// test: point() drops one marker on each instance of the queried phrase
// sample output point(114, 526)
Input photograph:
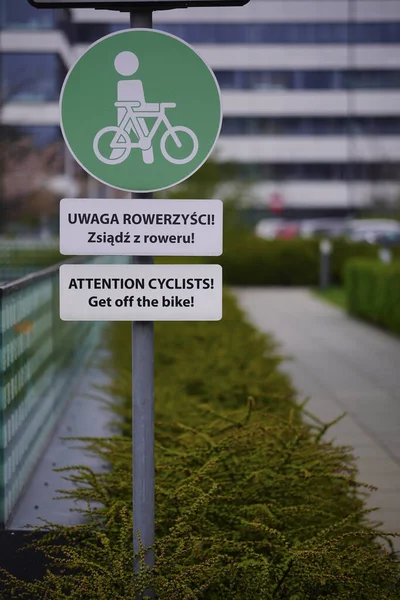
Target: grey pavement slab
point(343, 366)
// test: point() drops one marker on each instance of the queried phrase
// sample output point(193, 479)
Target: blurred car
point(327, 227)
point(267, 228)
point(389, 239)
point(371, 230)
point(274, 229)
point(287, 231)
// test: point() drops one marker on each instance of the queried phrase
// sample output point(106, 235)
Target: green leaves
point(251, 502)
point(373, 292)
point(249, 260)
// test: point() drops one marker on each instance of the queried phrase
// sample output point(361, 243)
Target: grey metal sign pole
point(143, 401)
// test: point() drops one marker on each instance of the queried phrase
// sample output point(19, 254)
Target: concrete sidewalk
point(85, 416)
point(344, 366)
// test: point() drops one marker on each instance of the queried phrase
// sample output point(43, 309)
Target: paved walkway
point(343, 365)
point(84, 417)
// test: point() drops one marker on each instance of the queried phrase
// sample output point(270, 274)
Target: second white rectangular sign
point(92, 226)
point(141, 292)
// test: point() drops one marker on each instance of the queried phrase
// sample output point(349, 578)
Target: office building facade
point(310, 89)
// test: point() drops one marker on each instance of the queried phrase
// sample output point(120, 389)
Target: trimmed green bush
point(373, 292)
point(251, 503)
point(246, 260)
point(37, 257)
point(16, 263)
point(251, 261)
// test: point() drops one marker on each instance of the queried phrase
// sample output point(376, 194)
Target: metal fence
point(40, 359)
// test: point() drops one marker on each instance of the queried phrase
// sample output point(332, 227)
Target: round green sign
point(140, 110)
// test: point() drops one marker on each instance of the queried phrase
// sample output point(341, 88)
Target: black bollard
point(325, 249)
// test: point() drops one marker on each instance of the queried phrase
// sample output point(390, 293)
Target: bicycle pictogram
point(133, 117)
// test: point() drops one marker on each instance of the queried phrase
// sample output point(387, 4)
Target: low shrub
point(251, 503)
point(251, 261)
point(16, 263)
point(248, 260)
point(373, 292)
point(30, 259)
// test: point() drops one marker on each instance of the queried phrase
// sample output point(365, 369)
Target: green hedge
point(373, 292)
point(251, 261)
point(18, 262)
point(34, 257)
point(246, 260)
point(251, 504)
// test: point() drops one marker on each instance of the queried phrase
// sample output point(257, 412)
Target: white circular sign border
point(158, 31)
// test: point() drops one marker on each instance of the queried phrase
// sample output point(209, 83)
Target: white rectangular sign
point(141, 227)
point(141, 292)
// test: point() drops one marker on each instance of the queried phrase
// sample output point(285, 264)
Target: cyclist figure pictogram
point(133, 113)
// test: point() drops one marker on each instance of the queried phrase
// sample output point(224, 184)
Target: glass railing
point(41, 358)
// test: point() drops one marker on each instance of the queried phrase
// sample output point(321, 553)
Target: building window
point(19, 14)
point(376, 33)
point(41, 136)
point(370, 79)
point(31, 77)
point(314, 126)
point(88, 33)
point(285, 33)
point(316, 80)
point(250, 33)
point(362, 79)
point(319, 172)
